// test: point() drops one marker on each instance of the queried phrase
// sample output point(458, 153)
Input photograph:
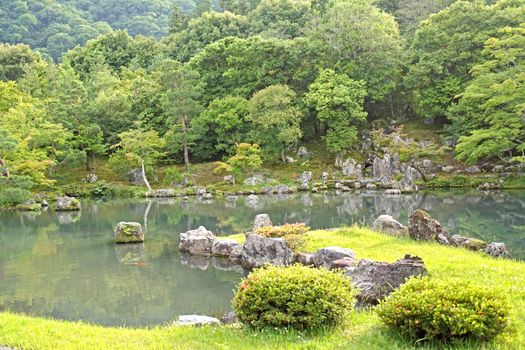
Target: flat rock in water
point(128, 232)
point(197, 320)
point(67, 204)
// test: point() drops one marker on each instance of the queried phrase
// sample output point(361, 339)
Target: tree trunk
point(144, 176)
point(185, 143)
point(87, 163)
point(5, 171)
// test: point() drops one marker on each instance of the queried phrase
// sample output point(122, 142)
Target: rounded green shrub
point(445, 309)
point(296, 297)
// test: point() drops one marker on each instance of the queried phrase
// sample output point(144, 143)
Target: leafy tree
point(14, 59)
point(181, 102)
point(490, 115)
point(247, 158)
point(281, 18)
point(241, 7)
point(338, 101)
point(276, 119)
point(201, 7)
point(358, 39)
point(178, 20)
point(141, 147)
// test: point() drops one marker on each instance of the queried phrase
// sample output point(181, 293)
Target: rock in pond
point(223, 247)
point(236, 253)
point(261, 220)
point(129, 232)
point(423, 227)
point(388, 225)
point(67, 204)
point(376, 280)
point(197, 320)
point(259, 251)
point(199, 241)
point(497, 249)
point(324, 256)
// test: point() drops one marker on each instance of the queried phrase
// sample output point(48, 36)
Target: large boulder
point(469, 243)
point(381, 167)
point(254, 180)
point(199, 241)
point(305, 178)
point(261, 220)
point(497, 249)
point(376, 280)
point(409, 181)
point(387, 224)
point(197, 320)
point(423, 227)
point(135, 177)
point(324, 256)
point(352, 168)
point(259, 251)
point(128, 232)
point(67, 204)
point(223, 247)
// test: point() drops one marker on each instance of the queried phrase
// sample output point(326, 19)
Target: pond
point(64, 265)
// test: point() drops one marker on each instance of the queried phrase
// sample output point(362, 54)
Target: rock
point(236, 253)
point(352, 168)
point(472, 244)
point(498, 169)
point(283, 189)
point(497, 249)
point(128, 232)
point(252, 198)
point(289, 159)
point(306, 176)
point(487, 186)
point(302, 152)
point(197, 241)
point(197, 320)
point(167, 192)
point(376, 280)
point(381, 167)
point(67, 203)
point(201, 191)
point(185, 198)
point(422, 226)
point(223, 247)
point(229, 318)
point(135, 177)
point(44, 203)
point(261, 220)
point(259, 251)
point(357, 185)
point(324, 256)
point(324, 176)
point(254, 180)
point(344, 263)
point(370, 186)
point(207, 196)
point(393, 191)
point(473, 169)
point(91, 178)
point(229, 179)
point(410, 176)
point(447, 169)
point(231, 198)
point(387, 224)
point(306, 259)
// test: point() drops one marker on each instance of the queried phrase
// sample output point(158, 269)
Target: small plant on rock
point(445, 309)
point(292, 233)
point(296, 297)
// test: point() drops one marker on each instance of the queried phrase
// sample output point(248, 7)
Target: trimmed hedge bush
point(292, 234)
point(445, 309)
point(296, 296)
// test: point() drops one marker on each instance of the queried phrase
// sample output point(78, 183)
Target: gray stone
point(325, 176)
point(44, 203)
point(387, 224)
point(497, 249)
point(236, 253)
point(252, 198)
point(197, 320)
point(468, 243)
point(306, 259)
point(352, 168)
point(197, 241)
point(302, 152)
point(254, 180)
point(259, 251)
point(370, 186)
point(474, 169)
point(223, 247)
point(381, 167)
point(167, 192)
point(498, 169)
point(67, 204)
point(343, 264)
point(324, 256)
point(201, 191)
point(306, 176)
point(283, 189)
point(231, 198)
point(447, 168)
point(207, 196)
point(128, 232)
point(261, 220)
point(228, 318)
point(289, 159)
point(376, 280)
point(409, 181)
point(422, 226)
point(135, 177)
point(229, 179)
point(90, 178)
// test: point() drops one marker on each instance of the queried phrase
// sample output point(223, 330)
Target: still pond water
point(65, 265)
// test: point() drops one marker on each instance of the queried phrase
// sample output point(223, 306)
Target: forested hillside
point(271, 74)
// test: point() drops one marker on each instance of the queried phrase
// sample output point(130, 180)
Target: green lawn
point(362, 330)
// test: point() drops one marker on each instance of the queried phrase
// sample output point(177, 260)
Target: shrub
point(296, 297)
point(445, 309)
point(292, 233)
point(15, 190)
point(173, 175)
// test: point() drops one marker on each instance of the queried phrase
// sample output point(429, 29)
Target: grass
point(363, 330)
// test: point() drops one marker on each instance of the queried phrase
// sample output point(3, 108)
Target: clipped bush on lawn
point(296, 297)
point(445, 309)
point(292, 233)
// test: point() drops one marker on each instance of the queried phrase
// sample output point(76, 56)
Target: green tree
point(339, 103)
point(247, 158)
point(276, 119)
point(14, 59)
point(178, 20)
point(281, 18)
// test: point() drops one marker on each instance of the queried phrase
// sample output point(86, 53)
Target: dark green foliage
point(15, 190)
point(297, 297)
point(445, 309)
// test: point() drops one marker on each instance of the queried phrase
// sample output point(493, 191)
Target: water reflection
point(67, 266)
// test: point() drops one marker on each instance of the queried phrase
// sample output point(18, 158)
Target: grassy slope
point(362, 331)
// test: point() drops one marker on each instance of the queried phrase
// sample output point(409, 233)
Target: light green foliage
point(292, 233)
point(358, 39)
point(296, 297)
point(276, 119)
point(339, 103)
point(445, 308)
point(141, 146)
point(490, 113)
point(204, 30)
point(281, 18)
point(241, 7)
point(14, 190)
point(247, 157)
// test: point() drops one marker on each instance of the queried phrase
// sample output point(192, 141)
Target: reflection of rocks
point(132, 253)
point(201, 262)
point(225, 264)
point(68, 217)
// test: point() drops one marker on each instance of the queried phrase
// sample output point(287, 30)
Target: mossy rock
point(67, 204)
point(474, 244)
point(129, 232)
